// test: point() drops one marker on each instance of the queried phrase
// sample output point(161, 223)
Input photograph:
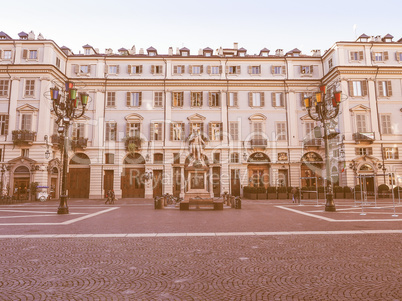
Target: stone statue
point(197, 145)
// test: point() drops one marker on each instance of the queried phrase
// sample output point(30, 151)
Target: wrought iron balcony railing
point(79, 142)
point(259, 143)
point(23, 137)
point(364, 137)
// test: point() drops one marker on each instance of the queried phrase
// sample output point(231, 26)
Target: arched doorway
point(132, 178)
point(366, 178)
point(21, 183)
point(79, 176)
point(258, 170)
point(311, 168)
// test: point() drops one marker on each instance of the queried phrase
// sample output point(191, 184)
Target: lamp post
point(324, 107)
point(67, 107)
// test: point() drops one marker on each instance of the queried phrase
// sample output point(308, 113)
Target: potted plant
point(250, 192)
point(383, 191)
point(32, 188)
point(347, 192)
point(358, 194)
point(338, 192)
point(261, 193)
point(282, 193)
point(271, 191)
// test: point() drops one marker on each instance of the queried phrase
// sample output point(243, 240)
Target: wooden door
point(53, 187)
point(78, 184)
point(21, 186)
point(235, 182)
point(216, 181)
point(108, 179)
point(157, 183)
point(133, 183)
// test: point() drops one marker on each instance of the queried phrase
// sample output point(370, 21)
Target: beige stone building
point(249, 109)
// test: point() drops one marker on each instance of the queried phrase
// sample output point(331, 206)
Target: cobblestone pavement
point(326, 260)
point(335, 267)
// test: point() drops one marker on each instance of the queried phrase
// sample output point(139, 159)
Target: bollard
point(232, 201)
point(238, 203)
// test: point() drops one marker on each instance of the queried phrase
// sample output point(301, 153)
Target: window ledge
point(136, 74)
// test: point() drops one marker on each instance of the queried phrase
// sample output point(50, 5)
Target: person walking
point(295, 195)
point(108, 194)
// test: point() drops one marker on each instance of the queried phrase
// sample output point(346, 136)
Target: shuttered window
point(306, 70)
point(384, 88)
point(398, 56)
point(113, 69)
point(233, 69)
point(196, 99)
point(277, 99)
point(380, 56)
point(158, 99)
point(254, 69)
point(199, 69)
point(111, 99)
point(214, 69)
point(256, 99)
point(134, 99)
point(215, 131)
point(177, 131)
point(356, 55)
point(177, 99)
point(391, 153)
point(156, 69)
point(386, 124)
point(232, 99)
point(234, 130)
point(4, 84)
point(111, 131)
point(178, 69)
point(357, 88)
point(278, 70)
point(281, 131)
point(134, 69)
point(214, 99)
point(195, 126)
point(156, 131)
point(3, 124)
point(361, 126)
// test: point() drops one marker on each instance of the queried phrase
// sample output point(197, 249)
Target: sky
point(197, 24)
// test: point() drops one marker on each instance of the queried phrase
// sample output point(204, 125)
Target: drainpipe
point(164, 129)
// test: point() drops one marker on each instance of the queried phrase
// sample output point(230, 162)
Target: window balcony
point(79, 143)
point(313, 143)
point(258, 143)
point(364, 137)
point(23, 137)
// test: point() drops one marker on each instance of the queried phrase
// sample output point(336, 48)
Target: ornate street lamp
point(67, 107)
point(324, 107)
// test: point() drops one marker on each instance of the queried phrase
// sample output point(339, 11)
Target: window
point(87, 51)
point(134, 99)
point(111, 99)
point(232, 99)
point(158, 99)
point(195, 126)
point(214, 99)
point(215, 131)
point(386, 125)
point(306, 70)
point(391, 153)
point(357, 88)
point(134, 129)
point(58, 62)
point(111, 131)
point(217, 158)
point(380, 56)
point(233, 69)
point(25, 152)
point(356, 55)
point(330, 64)
point(33, 54)
point(234, 130)
point(361, 151)
point(109, 158)
point(134, 69)
point(196, 69)
point(158, 158)
point(156, 131)
point(84, 69)
point(177, 99)
point(309, 126)
point(30, 88)
point(113, 69)
point(4, 124)
point(399, 56)
point(156, 69)
point(281, 131)
point(176, 158)
point(384, 88)
point(7, 55)
point(78, 130)
point(214, 69)
point(256, 99)
point(234, 158)
point(26, 122)
point(277, 99)
point(4, 84)
point(361, 123)
point(254, 69)
point(177, 131)
point(278, 70)
point(178, 69)
point(257, 130)
point(196, 99)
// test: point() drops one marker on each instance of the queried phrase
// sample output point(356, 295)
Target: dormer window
point(23, 35)
point(363, 38)
point(184, 51)
point(264, 52)
point(295, 52)
point(207, 51)
point(241, 52)
point(87, 51)
point(388, 38)
point(123, 51)
point(152, 51)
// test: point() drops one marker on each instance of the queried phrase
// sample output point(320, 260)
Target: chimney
point(316, 52)
point(236, 45)
point(279, 52)
point(177, 51)
point(141, 50)
point(200, 52)
point(170, 51)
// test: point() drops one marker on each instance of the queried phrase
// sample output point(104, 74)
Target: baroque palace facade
point(144, 107)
